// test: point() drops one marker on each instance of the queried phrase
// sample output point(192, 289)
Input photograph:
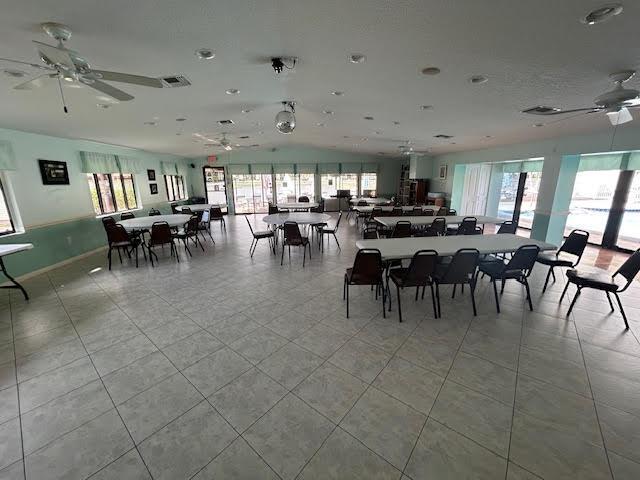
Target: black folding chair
point(460, 270)
point(367, 270)
point(601, 280)
point(417, 274)
point(437, 228)
point(573, 247)
point(292, 236)
point(259, 235)
point(402, 229)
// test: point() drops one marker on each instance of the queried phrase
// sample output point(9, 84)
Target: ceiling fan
point(615, 103)
point(61, 63)
point(212, 141)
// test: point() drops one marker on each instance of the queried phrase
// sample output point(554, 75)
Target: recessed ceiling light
point(426, 107)
point(378, 132)
point(337, 93)
point(178, 134)
point(180, 119)
point(395, 122)
point(319, 124)
point(602, 14)
point(364, 139)
point(151, 124)
point(430, 71)
point(10, 72)
point(232, 91)
point(346, 136)
point(368, 117)
point(538, 125)
point(476, 79)
point(246, 110)
point(357, 58)
point(488, 136)
point(328, 112)
point(102, 105)
point(205, 54)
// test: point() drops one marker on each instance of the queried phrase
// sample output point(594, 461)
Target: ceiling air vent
point(225, 122)
point(442, 135)
point(541, 110)
point(175, 81)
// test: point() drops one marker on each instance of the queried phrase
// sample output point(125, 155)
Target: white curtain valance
point(306, 168)
point(261, 168)
point(130, 165)
point(284, 168)
point(328, 168)
point(7, 158)
point(609, 161)
point(370, 168)
point(93, 162)
point(238, 169)
point(350, 167)
point(168, 168)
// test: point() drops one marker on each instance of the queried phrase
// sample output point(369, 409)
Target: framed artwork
point(153, 187)
point(54, 172)
point(151, 175)
point(443, 172)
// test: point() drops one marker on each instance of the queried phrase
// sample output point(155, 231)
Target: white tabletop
point(303, 218)
point(298, 205)
point(10, 248)
point(398, 248)
point(405, 208)
point(371, 201)
point(200, 207)
point(145, 223)
point(425, 220)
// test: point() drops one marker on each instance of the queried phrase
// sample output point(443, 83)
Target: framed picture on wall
point(151, 175)
point(443, 172)
point(54, 172)
point(153, 187)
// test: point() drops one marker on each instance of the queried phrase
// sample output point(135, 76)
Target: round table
point(200, 207)
point(145, 223)
point(298, 205)
point(301, 218)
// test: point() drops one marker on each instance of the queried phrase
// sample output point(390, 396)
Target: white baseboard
point(42, 270)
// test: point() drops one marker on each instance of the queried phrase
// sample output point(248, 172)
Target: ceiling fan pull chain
point(64, 103)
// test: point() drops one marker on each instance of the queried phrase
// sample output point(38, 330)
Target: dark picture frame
point(53, 172)
point(151, 175)
point(153, 188)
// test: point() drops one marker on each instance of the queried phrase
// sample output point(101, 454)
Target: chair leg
point(546, 281)
point(186, 247)
point(566, 287)
point(495, 294)
point(119, 254)
point(553, 275)
point(423, 287)
point(417, 291)
point(282, 256)
point(433, 301)
point(136, 252)
point(109, 257)
point(453, 294)
point(344, 288)
point(304, 254)
point(384, 302)
point(337, 242)
point(438, 300)
point(502, 286)
point(624, 315)
point(309, 250)
point(151, 256)
point(610, 302)
point(199, 242)
point(472, 287)
point(399, 305)
point(526, 286)
point(347, 288)
point(174, 248)
point(573, 302)
point(251, 247)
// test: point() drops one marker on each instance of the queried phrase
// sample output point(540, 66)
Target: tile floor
point(228, 367)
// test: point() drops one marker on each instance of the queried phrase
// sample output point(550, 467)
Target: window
point(175, 187)
point(290, 186)
point(112, 192)
point(252, 193)
point(6, 222)
point(368, 184)
point(328, 185)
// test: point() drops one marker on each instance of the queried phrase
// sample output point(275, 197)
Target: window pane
point(6, 225)
point(242, 193)
point(130, 191)
point(180, 187)
point(94, 193)
point(215, 186)
point(307, 182)
point(108, 205)
point(629, 235)
point(508, 193)
point(349, 181)
point(529, 199)
point(262, 192)
point(368, 184)
point(168, 181)
point(286, 187)
point(328, 185)
point(118, 193)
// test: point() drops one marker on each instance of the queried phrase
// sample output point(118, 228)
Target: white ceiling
point(534, 52)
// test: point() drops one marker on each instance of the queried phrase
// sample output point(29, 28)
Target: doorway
point(215, 186)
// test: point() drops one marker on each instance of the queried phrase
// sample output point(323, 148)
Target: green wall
point(60, 220)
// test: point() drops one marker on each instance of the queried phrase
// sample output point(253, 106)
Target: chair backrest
point(438, 226)
point(370, 232)
point(630, 268)
point(376, 212)
point(292, 235)
point(174, 208)
point(462, 267)
point(273, 209)
point(215, 213)
point(107, 222)
point(191, 227)
point(362, 203)
point(249, 223)
point(442, 211)
point(468, 226)
point(508, 227)
point(154, 213)
point(117, 233)
point(186, 211)
point(402, 229)
point(575, 244)
point(451, 212)
point(396, 211)
point(421, 267)
point(523, 259)
point(127, 216)
point(367, 266)
point(160, 233)
point(427, 213)
point(303, 199)
point(338, 222)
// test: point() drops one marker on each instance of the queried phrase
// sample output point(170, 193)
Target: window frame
point(168, 181)
point(9, 212)
point(127, 208)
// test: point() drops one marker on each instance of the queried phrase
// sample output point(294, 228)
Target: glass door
point(629, 233)
point(528, 199)
point(262, 192)
point(242, 192)
point(508, 195)
point(286, 188)
point(214, 185)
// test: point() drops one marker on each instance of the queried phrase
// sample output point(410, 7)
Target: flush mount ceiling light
point(368, 117)
point(286, 120)
point(602, 14)
point(232, 91)
point(477, 79)
point(395, 122)
point(181, 119)
point(246, 110)
point(426, 107)
point(538, 125)
point(430, 71)
point(319, 124)
point(357, 58)
point(328, 112)
point(205, 54)
point(151, 124)
point(337, 93)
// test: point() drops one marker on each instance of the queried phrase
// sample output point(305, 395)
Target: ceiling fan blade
point(572, 116)
point(34, 65)
point(562, 112)
point(128, 78)
point(57, 56)
point(621, 116)
point(37, 82)
point(109, 90)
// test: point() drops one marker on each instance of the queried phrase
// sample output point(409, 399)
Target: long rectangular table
point(9, 249)
point(390, 222)
point(405, 208)
point(400, 248)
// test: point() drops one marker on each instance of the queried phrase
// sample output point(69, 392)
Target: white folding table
point(370, 201)
point(200, 207)
point(390, 222)
point(9, 249)
point(405, 208)
point(145, 223)
point(297, 205)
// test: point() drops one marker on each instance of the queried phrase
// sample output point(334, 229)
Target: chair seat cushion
point(600, 280)
point(263, 234)
point(549, 258)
